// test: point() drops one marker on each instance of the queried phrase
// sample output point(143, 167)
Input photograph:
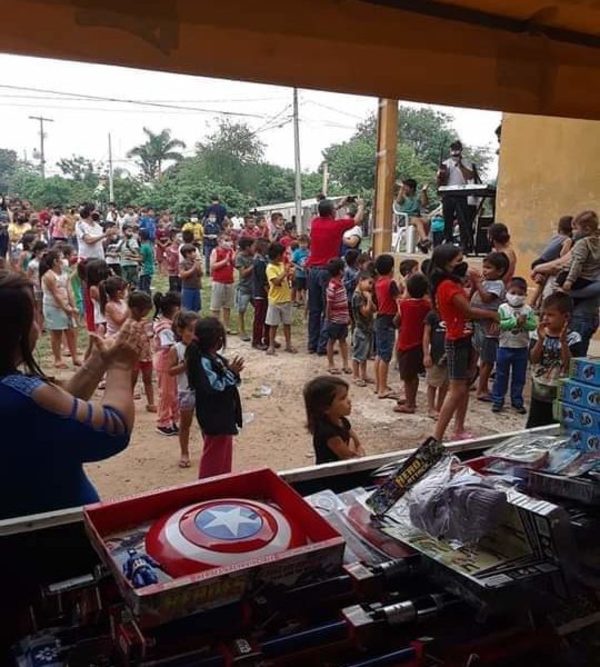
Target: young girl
point(167, 306)
point(33, 273)
point(218, 406)
point(96, 270)
point(140, 305)
point(183, 328)
point(500, 240)
point(113, 304)
point(327, 407)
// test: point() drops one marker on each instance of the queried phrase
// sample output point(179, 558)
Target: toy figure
point(138, 569)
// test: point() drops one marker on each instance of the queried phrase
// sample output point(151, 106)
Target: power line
point(340, 111)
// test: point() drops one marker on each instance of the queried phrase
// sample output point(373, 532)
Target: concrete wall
point(548, 167)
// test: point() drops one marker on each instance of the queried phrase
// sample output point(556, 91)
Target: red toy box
point(115, 528)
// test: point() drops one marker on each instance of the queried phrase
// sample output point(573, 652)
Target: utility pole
point(300, 224)
point(111, 190)
point(42, 120)
point(325, 178)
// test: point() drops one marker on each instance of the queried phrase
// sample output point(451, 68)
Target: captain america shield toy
point(216, 533)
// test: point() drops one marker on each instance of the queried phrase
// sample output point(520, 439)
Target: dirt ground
point(275, 435)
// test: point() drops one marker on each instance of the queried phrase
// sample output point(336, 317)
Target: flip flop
point(334, 371)
point(360, 383)
point(346, 371)
point(292, 350)
point(390, 395)
point(403, 409)
point(183, 463)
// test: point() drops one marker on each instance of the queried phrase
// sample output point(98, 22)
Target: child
point(129, 250)
point(172, 260)
point(221, 272)
point(585, 256)
point(488, 294)
point(147, 261)
point(167, 306)
point(140, 305)
point(260, 293)
point(162, 241)
point(366, 264)
point(111, 248)
point(33, 273)
point(190, 273)
point(299, 259)
point(552, 346)
point(516, 321)
point(500, 240)
point(363, 309)
point(434, 360)
point(350, 278)
point(387, 294)
point(327, 408)
point(184, 325)
point(280, 298)
point(113, 304)
point(412, 313)
point(337, 316)
point(214, 382)
point(96, 270)
point(244, 263)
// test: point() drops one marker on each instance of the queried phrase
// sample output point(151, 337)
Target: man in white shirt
point(456, 205)
point(90, 235)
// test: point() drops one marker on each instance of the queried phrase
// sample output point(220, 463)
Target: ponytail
point(192, 364)
point(165, 304)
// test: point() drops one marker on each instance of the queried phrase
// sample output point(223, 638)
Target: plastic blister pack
point(527, 448)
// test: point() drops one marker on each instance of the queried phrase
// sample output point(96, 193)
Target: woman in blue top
point(49, 432)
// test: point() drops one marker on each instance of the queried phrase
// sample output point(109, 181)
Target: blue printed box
point(576, 417)
point(586, 370)
point(582, 395)
point(585, 441)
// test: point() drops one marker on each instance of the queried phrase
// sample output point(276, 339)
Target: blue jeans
point(317, 286)
point(191, 299)
point(145, 282)
point(585, 324)
point(515, 360)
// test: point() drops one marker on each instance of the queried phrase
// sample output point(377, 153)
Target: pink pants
point(168, 405)
point(216, 455)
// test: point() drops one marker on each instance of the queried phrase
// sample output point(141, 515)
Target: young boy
point(337, 316)
point(412, 312)
point(260, 292)
point(244, 263)
point(172, 261)
point(147, 261)
point(299, 258)
point(585, 256)
point(350, 278)
point(488, 294)
point(363, 310)
point(516, 321)
point(190, 273)
point(280, 298)
point(130, 256)
point(111, 248)
point(434, 360)
point(221, 272)
point(387, 294)
point(552, 346)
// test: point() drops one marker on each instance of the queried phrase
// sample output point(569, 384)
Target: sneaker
point(165, 430)
point(496, 408)
point(520, 409)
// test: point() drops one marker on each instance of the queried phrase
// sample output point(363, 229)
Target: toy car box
point(579, 394)
point(586, 370)
point(586, 441)
point(576, 417)
point(113, 527)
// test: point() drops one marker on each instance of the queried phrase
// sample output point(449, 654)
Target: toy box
point(177, 588)
point(586, 441)
point(576, 417)
point(577, 393)
point(586, 370)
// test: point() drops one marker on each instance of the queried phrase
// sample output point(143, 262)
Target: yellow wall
point(548, 167)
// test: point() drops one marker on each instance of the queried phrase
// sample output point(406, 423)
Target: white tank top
point(183, 384)
point(99, 318)
point(61, 284)
point(112, 327)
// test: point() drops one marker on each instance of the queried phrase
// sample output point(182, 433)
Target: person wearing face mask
point(222, 263)
point(211, 234)
point(517, 319)
point(455, 205)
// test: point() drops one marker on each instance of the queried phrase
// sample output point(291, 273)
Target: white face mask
point(515, 300)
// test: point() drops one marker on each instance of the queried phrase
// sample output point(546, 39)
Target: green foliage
point(79, 168)
point(157, 149)
point(8, 166)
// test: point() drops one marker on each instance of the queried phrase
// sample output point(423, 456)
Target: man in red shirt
point(326, 235)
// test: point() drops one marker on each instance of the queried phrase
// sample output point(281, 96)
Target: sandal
point(404, 409)
point(347, 371)
point(293, 350)
point(270, 351)
point(360, 383)
point(184, 463)
point(334, 371)
point(390, 395)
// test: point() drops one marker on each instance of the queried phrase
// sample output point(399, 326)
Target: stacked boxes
point(578, 404)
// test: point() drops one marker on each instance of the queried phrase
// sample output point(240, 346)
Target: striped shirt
point(337, 302)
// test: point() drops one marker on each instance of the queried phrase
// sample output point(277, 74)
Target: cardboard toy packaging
point(577, 393)
point(586, 370)
point(175, 587)
point(586, 441)
point(577, 417)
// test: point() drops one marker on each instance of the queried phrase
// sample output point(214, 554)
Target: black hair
point(38, 246)
point(182, 320)
point(85, 210)
point(318, 397)
point(165, 304)
point(335, 267)
point(47, 260)
point(275, 251)
point(364, 275)
point(425, 266)
point(326, 208)
point(519, 282)
point(144, 235)
point(407, 265)
point(139, 300)
point(440, 258)
point(499, 232)
point(209, 335)
point(187, 236)
point(27, 240)
point(244, 243)
point(96, 270)
point(95, 216)
point(384, 264)
point(456, 145)
point(17, 313)
point(108, 289)
point(304, 238)
point(559, 301)
point(352, 257)
point(66, 248)
point(417, 286)
point(565, 225)
point(412, 184)
point(499, 261)
point(289, 227)
point(187, 248)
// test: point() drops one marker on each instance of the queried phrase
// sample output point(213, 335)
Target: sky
point(81, 126)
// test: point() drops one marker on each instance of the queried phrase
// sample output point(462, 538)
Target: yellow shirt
point(278, 294)
point(15, 231)
point(196, 228)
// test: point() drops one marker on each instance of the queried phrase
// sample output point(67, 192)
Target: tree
point(78, 168)
point(157, 149)
point(8, 165)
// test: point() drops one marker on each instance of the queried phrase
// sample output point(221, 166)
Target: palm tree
point(158, 148)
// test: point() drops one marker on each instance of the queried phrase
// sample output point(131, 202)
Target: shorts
point(486, 346)
point(460, 356)
point(361, 344)
point(221, 296)
point(386, 337)
point(187, 400)
point(300, 283)
point(437, 376)
point(410, 363)
point(279, 313)
point(55, 319)
point(144, 366)
point(336, 330)
point(242, 300)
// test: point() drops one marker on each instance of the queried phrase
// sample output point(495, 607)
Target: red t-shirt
point(247, 233)
point(449, 313)
point(412, 322)
point(337, 302)
point(326, 239)
point(387, 292)
point(224, 274)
